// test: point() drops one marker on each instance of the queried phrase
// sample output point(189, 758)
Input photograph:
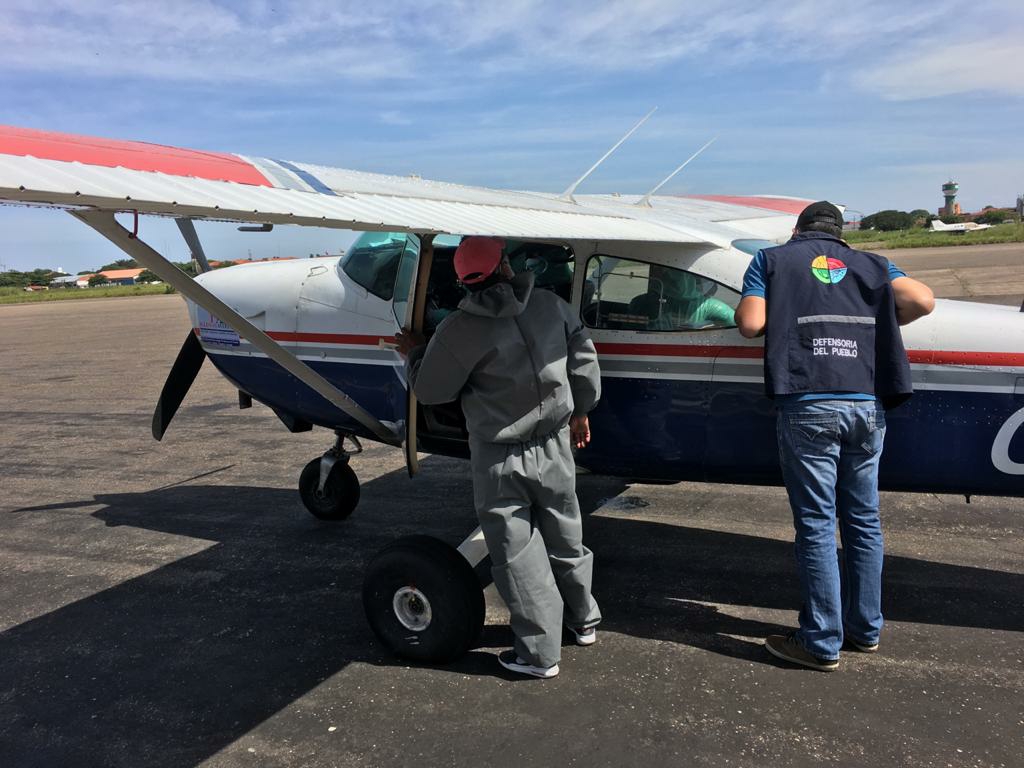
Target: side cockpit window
point(621, 294)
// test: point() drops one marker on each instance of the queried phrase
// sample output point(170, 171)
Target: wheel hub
point(412, 609)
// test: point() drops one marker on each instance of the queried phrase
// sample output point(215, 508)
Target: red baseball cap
point(477, 257)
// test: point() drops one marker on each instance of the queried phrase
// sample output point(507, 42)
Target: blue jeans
point(829, 451)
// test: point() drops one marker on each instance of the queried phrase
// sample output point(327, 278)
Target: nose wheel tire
point(340, 493)
point(423, 600)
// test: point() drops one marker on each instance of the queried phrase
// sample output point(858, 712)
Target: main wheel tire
point(339, 496)
point(423, 599)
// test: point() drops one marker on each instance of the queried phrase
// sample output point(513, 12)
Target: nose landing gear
point(328, 486)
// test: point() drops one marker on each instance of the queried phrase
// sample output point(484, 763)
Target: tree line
point(891, 220)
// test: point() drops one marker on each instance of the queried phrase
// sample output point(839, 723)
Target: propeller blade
point(183, 373)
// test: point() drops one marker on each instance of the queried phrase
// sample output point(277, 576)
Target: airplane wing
point(76, 171)
point(96, 178)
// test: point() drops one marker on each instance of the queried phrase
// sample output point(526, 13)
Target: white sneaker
point(513, 663)
point(587, 636)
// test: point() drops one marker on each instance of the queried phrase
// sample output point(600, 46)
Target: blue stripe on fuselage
point(668, 429)
point(940, 441)
point(376, 388)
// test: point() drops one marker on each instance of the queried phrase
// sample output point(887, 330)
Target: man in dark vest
point(833, 361)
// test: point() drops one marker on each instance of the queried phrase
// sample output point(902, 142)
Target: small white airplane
point(683, 400)
point(963, 227)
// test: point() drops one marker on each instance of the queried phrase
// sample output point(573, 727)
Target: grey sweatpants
point(525, 497)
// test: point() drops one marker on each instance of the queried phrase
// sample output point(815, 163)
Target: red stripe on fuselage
point(678, 350)
point(920, 356)
point(330, 338)
point(134, 155)
point(938, 357)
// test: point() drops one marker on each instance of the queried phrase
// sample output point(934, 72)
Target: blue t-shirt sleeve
point(895, 272)
point(753, 279)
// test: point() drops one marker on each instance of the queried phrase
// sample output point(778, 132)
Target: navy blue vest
point(831, 323)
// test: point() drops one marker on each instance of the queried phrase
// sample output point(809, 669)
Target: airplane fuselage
point(677, 405)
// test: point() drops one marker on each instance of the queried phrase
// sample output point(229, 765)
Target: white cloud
point(198, 41)
point(990, 65)
point(440, 43)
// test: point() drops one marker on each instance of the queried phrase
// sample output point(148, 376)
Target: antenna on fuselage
point(646, 199)
point(567, 195)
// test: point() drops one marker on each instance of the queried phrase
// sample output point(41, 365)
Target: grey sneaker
point(587, 636)
point(788, 648)
point(513, 663)
point(862, 647)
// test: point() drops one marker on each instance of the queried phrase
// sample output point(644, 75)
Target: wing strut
point(646, 199)
point(188, 231)
point(567, 195)
point(107, 225)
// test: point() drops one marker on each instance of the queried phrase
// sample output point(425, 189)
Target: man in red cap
point(526, 374)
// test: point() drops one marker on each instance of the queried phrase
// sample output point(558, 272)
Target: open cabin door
point(410, 309)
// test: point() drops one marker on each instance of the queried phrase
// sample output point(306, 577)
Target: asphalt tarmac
point(172, 604)
point(989, 273)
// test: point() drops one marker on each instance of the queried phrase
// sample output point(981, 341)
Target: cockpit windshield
point(372, 260)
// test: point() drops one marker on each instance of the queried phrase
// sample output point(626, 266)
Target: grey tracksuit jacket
point(522, 365)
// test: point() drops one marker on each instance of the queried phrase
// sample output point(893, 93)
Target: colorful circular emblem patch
point(829, 271)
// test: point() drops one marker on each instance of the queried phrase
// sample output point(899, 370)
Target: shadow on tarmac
point(168, 668)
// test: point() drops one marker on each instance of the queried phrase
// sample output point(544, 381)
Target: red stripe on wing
point(781, 204)
point(134, 155)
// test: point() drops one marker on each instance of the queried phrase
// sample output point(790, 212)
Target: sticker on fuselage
point(1001, 446)
point(213, 330)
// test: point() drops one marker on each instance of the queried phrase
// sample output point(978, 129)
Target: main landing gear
point(328, 486)
point(422, 597)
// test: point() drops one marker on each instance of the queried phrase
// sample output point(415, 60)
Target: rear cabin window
point(624, 295)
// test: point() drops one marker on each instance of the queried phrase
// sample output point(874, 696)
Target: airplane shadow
point(167, 668)
point(694, 585)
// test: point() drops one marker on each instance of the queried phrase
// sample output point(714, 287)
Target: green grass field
point(21, 296)
point(923, 238)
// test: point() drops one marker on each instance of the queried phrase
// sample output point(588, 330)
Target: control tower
point(952, 207)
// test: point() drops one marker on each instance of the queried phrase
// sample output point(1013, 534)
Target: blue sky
point(870, 104)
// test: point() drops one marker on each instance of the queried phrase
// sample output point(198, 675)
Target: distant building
point(121, 276)
point(71, 281)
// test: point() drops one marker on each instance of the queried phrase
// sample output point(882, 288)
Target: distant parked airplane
point(968, 226)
